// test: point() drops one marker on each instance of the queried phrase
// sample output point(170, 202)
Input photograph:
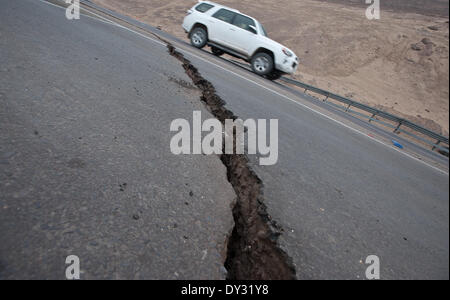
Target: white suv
point(226, 30)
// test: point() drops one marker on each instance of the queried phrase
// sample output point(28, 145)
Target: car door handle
point(231, 29)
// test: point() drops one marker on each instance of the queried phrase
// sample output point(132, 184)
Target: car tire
point(274, 75)
point(199, 37)
point(217, 51)
point(262, 64)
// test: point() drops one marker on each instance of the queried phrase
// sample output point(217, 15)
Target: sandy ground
point(398, 63)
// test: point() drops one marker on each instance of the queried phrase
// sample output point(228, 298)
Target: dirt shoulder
point(398, 63)
point(437, 8)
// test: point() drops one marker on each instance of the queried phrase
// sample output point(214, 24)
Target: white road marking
point(260, 85)
point(106, 21)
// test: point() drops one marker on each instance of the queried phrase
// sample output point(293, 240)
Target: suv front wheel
point(262, 64)
point(199, 37)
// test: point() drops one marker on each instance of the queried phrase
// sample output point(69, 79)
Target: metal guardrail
point(400, 122)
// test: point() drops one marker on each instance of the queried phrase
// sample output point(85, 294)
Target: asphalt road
point(339, 195)
point(85, 164)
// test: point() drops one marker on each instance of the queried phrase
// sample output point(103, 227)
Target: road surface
point(86, 106)
point(85, 163)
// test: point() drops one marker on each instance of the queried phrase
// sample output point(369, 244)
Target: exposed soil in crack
point(253, 252)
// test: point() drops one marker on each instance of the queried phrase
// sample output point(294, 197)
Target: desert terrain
point(399, 63)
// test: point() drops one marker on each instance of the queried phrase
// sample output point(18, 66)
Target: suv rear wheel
point(199, 37)
point(262, 63)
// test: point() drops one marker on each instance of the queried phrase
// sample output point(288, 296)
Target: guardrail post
point(437, 144)
point(348, 107)
point(371, 118)
point(326, 98)
point(398, 127)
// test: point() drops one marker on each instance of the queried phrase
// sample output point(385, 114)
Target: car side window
point(224, 15)
point(204, 7)
point(244, 23)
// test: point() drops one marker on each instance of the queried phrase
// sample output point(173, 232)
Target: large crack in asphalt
point(253, 252)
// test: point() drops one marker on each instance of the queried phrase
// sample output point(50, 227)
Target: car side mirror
point(253, 29)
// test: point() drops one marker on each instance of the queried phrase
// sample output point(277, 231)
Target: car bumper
point(187, 23)
point(288, 65)
point(185, 27)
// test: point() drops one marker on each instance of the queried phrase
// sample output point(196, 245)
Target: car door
point(243, 34)
point(220, 27)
